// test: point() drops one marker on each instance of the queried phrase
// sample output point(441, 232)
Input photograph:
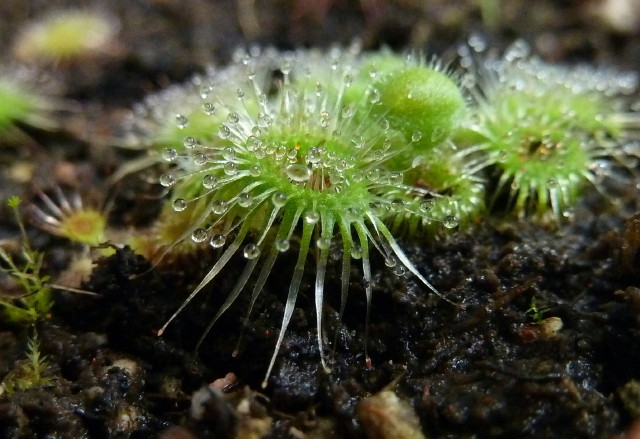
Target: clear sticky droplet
point(427, 205)
point(356, 251)
point(190, 142)
point(209, 108)
point(374, 96)
point(229, 153)
point(279, 199)
point(311, 217)
point(167, 180)
point(199, 159)
point(245, 199)
point(179, 204)
point(199, 235)
point(298, 173)
point(255, 171)
point(217, 240)
point(282, 245)
point(251, 251)
point(182, 121)
point(169, 154)
point(323, 242)
point(224, 132)
point(205, 90)
point(219, 207)
point(397, 205)
point(416, 136)
point(209, 181)
point(230, 168)
point(450, 221)
point(233, 117)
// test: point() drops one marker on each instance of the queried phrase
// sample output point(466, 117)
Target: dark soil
point(482, 366)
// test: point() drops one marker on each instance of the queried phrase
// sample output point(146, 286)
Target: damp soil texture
point(541, 333)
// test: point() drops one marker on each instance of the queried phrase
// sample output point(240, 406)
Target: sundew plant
point(547, 130)
point(342, 152)
point(24, 99)
point(297, 153)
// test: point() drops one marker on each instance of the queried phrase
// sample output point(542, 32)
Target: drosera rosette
point(67, 216)
point(67, 36)
point(26, 98)
point(453, 192)
point(294, 160)
point(547, 130)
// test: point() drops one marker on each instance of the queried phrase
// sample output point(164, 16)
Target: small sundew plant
point(296, 152)
point(547, 129)
point(69, 218)
point(65, 35)
point(21, 103)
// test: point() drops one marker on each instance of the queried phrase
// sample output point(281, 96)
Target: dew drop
point(416, 137)
point(190, 142)
point(233, 117)
point(347, 112)
point(279, 199)
point(399, 270)
point(179, 204)
point(167, 180)
point(251, 251)
point(205, 90)
point(292, 154)
point(281, 151)
point(323, 242)
point(397, 205)
point(229, 153)
point(245, 199)
point(199, 159)
point(169, 154)
point(199, 235)
point(230, 168)
point(282, 244)
point(298, 173)
point(217, 240)
point(356, 251)
point(384, 124)
point(390, 262)
point(427, 205)
point(209, 108)
point(373, 175)
point(374, 96)
point(224, 132)
point(324, 119)
point(220, 207)
point(311, 217)
point(182, 121)
point(313, 156)
point(450, 221)
point(255, 171)
point(209, 181)
point(395, 178)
